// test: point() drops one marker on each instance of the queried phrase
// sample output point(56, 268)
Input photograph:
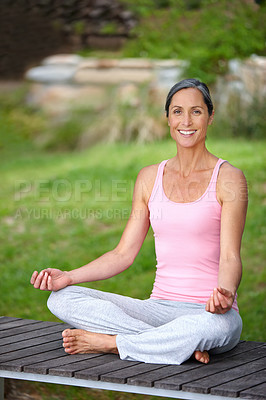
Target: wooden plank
point(19, 364)
point(142, 380)
point(36, 347)
point(256, 392)
point(25, 328)
point(56, 327)
point(44, 366)
point(70, 370)
point(30, 343)
point(122, 375)
point(16, 323)
point(233, 388)
point(96, 372)
point(241, 348)
point(204, 385)
point(218, 364)
point(148, 378)
point(14, 355)
point(7, 319)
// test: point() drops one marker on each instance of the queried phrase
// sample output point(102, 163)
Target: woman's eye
point(177, 112)
point(197, 112)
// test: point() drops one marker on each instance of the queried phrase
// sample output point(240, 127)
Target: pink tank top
point(187, 243)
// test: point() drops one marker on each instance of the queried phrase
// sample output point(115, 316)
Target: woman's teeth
point(187, 132)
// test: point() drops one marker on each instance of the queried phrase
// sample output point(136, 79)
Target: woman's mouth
point(187, 133)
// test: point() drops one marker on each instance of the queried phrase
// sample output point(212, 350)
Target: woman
point(196, 204)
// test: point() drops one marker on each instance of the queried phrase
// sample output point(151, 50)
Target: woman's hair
point(190, 83)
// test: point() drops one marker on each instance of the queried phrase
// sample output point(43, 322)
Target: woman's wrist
point(70, 277)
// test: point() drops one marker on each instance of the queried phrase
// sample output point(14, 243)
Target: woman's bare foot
point(77, 341)
point(202, 356)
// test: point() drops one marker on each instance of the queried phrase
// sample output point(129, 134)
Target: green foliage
point(242, 120)
point(20, 124)
point(207, 33)
point(110, 28)
point(65, 133)
point(79, 27)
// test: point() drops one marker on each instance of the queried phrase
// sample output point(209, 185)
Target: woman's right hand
point(50, 279)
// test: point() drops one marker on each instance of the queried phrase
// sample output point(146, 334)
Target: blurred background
point(82, 91)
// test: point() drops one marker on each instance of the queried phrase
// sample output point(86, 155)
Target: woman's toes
point(69, 339)
point(202, 356)
point(66, 333)
point(68, 350)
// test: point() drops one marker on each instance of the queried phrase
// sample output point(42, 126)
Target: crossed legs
point(79, 341)
point(145, 330)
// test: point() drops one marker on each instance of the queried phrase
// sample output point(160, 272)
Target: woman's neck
point(191, 159)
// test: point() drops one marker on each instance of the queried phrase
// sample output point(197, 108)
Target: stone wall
point(117, 99)
point(65, 81)
point(245, 81)
point(31, 30)
point(123, 99)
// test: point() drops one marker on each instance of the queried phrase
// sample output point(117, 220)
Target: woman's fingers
point(223, 300)
point(42, 280)
point(33, 277)
point(212, 305)
point(215, 298)
point(43, 285)
point(217, 303)
point(220, 301)
point(49, 283)
point(39, 280)
point(207, 307)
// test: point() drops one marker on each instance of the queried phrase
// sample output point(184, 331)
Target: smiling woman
point(188, 116)
point(196, 204)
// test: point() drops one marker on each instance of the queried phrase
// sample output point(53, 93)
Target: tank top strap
point(157, 187)
point(213, 181)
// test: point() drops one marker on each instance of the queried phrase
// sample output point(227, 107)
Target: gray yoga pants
point(152, 331)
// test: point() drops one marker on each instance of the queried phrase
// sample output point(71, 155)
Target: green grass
point(64, 209)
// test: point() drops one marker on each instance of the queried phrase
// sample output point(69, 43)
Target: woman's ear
point(211, 118)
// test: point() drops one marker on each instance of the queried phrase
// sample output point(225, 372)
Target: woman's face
point(188, 117)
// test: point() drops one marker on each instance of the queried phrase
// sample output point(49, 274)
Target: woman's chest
point(186, 189)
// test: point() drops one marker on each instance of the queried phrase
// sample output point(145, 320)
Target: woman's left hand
point(220, 301)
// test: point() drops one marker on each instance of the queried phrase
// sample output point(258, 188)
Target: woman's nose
point(187, 119)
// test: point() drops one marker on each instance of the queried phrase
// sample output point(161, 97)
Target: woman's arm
point(233, 196)
point(116, 260)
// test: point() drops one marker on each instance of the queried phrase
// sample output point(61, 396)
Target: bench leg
point(2, 388)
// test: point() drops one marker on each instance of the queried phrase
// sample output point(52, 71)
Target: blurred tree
point(207, 33)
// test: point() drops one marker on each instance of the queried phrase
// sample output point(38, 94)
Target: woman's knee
point(57, 301)
point(225, 327)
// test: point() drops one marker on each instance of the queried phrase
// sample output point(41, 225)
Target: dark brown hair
point(190, 83)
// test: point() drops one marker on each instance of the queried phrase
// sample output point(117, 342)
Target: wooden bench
point(32, 350)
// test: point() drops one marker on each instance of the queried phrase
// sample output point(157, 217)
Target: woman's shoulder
point(146, 179)
point(149, 172)
point(231, 182)
point(229, 171)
